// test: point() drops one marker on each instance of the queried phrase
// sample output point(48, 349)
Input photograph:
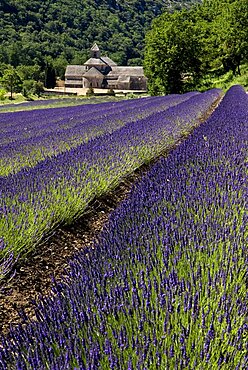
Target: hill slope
point(32, 31)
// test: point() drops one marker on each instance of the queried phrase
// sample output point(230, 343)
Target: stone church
point(101, 72)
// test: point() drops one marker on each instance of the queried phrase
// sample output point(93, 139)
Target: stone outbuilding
point(103, 73)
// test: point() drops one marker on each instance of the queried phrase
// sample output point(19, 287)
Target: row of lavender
point(27, 138)
point(36, 200)
point(39, 103)
point(165, 287)
point(46, 119)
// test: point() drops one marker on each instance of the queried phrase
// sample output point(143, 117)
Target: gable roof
point(95, 47)
point(75, 70)
point(108, 61)
point(126, 71)
point(93, 72)
point(95, 61)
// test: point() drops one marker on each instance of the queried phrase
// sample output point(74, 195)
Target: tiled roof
point(93, 72)
point(95, 47)
point(108, 61)
point(95, 61)
point(126, 71)
point(75, 70)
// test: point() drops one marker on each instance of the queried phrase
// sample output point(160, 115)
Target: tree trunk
point(11, 87)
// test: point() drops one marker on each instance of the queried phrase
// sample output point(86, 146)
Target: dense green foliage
point(11, 81)
point(185, 47)
point(49, 34)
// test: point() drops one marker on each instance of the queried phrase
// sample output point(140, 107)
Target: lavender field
point(166, 285)
point(54, 162)
point(27, 138)
point(45, 103)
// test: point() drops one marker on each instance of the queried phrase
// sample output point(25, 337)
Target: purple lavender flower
point(155, 236)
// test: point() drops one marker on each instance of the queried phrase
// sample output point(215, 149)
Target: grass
point(225, 81)
point(20, 103)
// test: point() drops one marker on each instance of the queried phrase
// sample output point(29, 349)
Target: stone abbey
point(103, 73)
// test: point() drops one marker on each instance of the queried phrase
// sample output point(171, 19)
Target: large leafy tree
point(233, 35)
point(225, 25)
point(11, 81)
point(183, 47)
point(174, 53)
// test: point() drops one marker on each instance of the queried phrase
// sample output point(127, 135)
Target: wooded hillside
point(187, 49)
point(62, 31)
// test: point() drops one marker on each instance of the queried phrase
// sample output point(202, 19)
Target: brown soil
point(33, 275)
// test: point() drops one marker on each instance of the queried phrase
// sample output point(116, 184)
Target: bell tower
point(95, 51)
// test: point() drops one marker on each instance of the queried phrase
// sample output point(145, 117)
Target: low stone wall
point(82, 91)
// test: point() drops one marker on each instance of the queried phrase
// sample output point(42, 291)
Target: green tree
point(233, 35)
point(60, 65)
point(29, 72)
point(2, 94)
point(225, 33)
point(32, 87)
point(11, 81)
point(174, 53)
point(3, 68)
point(38, 88)
point(50, 77)
point(27, 87)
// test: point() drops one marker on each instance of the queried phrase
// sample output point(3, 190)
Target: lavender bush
point(39, 103)
point(51, 103)
point(7, 262)
point(58, 189)
point(165, 286)
point(27, 138)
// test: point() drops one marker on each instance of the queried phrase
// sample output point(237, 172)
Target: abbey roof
point(93, 72)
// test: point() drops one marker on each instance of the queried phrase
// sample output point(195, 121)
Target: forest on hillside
point(188, 49)
point(181, 43)
point(61, 32)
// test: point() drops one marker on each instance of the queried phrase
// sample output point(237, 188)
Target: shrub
point(90, 91)
point(2, 94)
point(111, 92)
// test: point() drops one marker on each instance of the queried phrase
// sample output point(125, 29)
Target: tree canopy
point(185, 39)
point(11, 81)
point(31, 31)
point(182, 47)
